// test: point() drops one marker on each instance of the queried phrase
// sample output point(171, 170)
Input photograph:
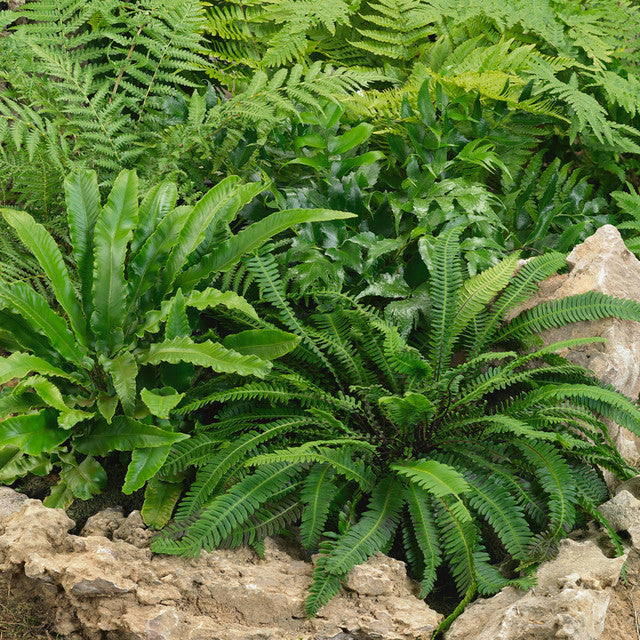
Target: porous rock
point(601, 263)
point(569, 601)
point(623, 514)
point(106, 584)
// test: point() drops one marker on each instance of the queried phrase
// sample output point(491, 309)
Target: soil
point(21, 620)
point(623, 618)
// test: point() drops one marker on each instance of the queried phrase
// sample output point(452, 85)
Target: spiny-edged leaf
point(160, 402)
point(84, 480)
point(123, 370)
point(592, 305)
point(267, 344)
point(554, 475)
point(522, 287)
point(446, 280)
point(123, 434)
point(83, 204)
point(221, 202)
point(113, 231)
point(491, 500)
point(145, 463)
point(476, 292)
point(252, 238)
point(372, 531)
point(160, 498)
point(437, 478)
point(458, 537)
point(38, 240)
point(34, 433)
point(205, 354)
point(228, 511)
point(424, 529)
point(34, 309)
point(214, 471)
point(317, 493)
point(324, 587)
point(342, 460)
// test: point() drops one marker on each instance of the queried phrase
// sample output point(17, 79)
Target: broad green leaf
point(177, 325)
point(201, 300)
point(252, 238)
point(123, 370)
point(123, 434)
point(19, 364)
point(161, 401)
point(267, 344)
point(83, 205)
point(33, 434)
point(60, 496)
point(114, 229)
point(145, 463)
point(205, 354)
point(220, 202)
point(160, 498)
point(72, 417)
point(34, 309)
point(38, 240)
point(84, 480)
point(15, 464)
point(352, 138)
point(362, 160)
point(107, 406)
point(437, 478)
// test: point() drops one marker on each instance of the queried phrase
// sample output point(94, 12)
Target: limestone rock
point(107, 584)
point(602, 263)
point(570, 601)
point(623, 514)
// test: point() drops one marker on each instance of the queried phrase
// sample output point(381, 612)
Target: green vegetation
point(303, 319)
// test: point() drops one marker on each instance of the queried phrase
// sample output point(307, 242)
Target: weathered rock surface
point(105, 584)
point(570, 601)
point(602, 263)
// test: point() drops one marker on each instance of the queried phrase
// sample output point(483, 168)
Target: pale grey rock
point(98, 588)
point(10, 501)
point(569, 602)
point(623, 513)
point(104, 523)
point(601, 263)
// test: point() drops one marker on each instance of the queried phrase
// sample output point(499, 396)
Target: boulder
point(601, 263)
point(569, 601)
point(106, 584)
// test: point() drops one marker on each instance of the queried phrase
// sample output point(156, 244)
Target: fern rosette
point(103, 359)
point(450, 446)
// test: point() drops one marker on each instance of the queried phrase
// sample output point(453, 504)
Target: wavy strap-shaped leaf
point(38, 240)
point(250, 239)
point(123, 434)
point(267, 344)
point(23, 299)
point(160, 498)
point(83, 205)
point(19, 364)
point(145, 463)
point(113, 231)
point(123, 371)
point(220, 203)
point(155, 205)
point(205, 354)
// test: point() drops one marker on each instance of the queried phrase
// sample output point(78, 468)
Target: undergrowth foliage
point(103, 358)
point(440, 445)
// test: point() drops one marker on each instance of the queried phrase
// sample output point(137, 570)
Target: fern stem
point(119, 78)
